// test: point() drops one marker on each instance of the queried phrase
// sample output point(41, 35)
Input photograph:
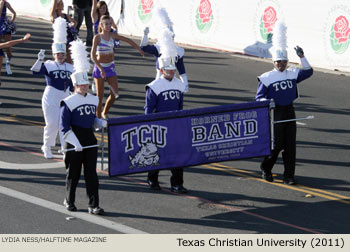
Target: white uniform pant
point(51, 108)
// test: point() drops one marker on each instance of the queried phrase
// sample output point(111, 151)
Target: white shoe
point(47, 152)
point(8, 68)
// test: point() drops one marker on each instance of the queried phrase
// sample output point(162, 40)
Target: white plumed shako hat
point(81, 63)
point(168, 50)
point(279, 42)
point(59, 36)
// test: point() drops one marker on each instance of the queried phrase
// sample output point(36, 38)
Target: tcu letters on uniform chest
point(60, 74)
point(283, 85)
point(172, 94)
point(86, 110)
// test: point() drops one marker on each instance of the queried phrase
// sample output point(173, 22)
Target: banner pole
point(296, 119)
point(272, 122)
point(102, 148)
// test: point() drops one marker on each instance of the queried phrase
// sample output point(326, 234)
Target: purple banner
point(188, 137)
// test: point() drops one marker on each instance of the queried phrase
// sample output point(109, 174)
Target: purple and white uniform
point(282, 86)
point(78, 111)
point(78, 114)
point(105, 47)
point(58, 86)
point(163, 95)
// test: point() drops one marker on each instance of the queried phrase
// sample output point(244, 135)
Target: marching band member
point(280, 84)
point(57, 11)
point(159, 99)
point(78, 120)
point(7, 28)
point(58, 84)
point(162, 21)
point(102, 55)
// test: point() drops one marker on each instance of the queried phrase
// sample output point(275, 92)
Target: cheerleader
point(98, 10)
point(57, 11)
point(58, 84)
point(7, 28)
point(78, 119)
point(102, 55)
point(10, 44)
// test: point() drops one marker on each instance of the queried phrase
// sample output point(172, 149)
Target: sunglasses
point(283, 61)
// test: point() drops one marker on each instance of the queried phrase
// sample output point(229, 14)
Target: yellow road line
point(309, 190)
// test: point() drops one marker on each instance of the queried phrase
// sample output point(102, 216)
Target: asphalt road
point(225, 198)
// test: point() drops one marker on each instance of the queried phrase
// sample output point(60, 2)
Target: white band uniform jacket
point(78, 110)
point(282, 86)
point(163, 95)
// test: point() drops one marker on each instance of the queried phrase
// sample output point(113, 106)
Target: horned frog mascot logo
point(146, 156)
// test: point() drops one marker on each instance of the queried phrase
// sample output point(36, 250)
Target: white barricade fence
point(320, 27)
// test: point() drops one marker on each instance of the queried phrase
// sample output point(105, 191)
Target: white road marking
point(61, 209)
point(41, 166)
point(14, 166)
point(300, 123)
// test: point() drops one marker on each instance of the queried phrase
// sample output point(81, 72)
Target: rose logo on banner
point(267, 23)
point(204, 16)
point(45, 2)
point(145, 10)
point(340, 35)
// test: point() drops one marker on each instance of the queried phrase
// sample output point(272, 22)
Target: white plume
point(167, 44)
point(279, 37)
point(161, 18)
point(60, 31)
point(80, 56)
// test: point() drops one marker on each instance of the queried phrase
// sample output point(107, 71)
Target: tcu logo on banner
point(148, 139)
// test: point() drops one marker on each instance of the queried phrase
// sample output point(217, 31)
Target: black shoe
point(153, 185)
point(289, 181)
point(179, 189)
point(267, 176)
point(69, 206)
point(96, 210)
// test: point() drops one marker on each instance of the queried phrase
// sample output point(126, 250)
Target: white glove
point(71, 138)
point(183, 78)
point(144, 40)
point(37, 65)
point(100, 123)
point(41, 55)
